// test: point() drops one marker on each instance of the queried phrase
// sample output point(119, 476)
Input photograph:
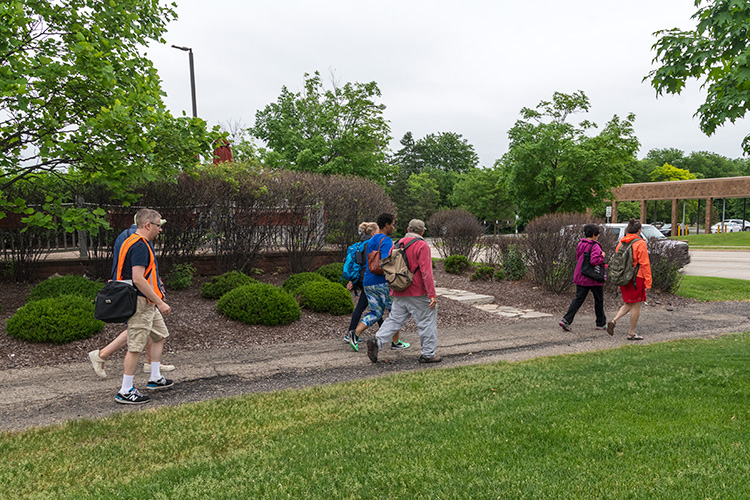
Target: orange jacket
point(640, 256)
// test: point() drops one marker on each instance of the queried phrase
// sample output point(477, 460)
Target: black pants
point(359, 310)
point(581, 293)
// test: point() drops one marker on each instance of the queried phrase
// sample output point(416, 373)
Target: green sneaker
point(354, 341)
point(397, 346)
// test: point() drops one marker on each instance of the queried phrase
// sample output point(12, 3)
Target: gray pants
point(426, 319)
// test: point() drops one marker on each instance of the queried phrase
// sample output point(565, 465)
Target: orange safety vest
point(150, 275)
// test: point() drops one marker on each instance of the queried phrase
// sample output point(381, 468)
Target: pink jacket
point(419, 255)
point(587, 245)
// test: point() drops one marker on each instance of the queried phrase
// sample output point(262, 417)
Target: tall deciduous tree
point(482, 192)
point(335, 131)
point(444, 157)
point(553, 166)
point(717, 53)
point(77, 95)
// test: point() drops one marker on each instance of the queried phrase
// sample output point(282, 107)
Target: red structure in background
point(223, 152)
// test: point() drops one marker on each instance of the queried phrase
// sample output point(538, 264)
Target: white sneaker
point(163, 368)
point(97, 363)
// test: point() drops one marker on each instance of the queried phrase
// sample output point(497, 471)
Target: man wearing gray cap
point(418, 301)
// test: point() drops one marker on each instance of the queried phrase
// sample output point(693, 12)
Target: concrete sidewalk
point(52, 395)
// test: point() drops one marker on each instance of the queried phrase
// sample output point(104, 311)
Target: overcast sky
point(466, 67)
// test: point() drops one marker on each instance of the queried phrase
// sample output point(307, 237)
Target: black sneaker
point(133, 397)
point(564, 325)
point(372, 350)
point(162, 383)
point(434, 359)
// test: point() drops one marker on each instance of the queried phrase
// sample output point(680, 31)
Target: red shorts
point(631, 294)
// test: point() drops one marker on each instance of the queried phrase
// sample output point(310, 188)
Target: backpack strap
point(404, 247)
point(637, 265)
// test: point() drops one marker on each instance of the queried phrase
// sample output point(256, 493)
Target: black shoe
point(372, 350)
point(434, 359)
point(162, 383)
point(133, 397)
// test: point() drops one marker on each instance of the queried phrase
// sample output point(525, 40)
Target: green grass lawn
point(707, 289)
point(728, 240)
point(662, 421)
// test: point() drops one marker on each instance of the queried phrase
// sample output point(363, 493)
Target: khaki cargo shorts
point(146, 322)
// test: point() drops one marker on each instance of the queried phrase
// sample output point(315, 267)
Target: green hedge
point(259, 304)
point(57, 286)
point(295, 281)
point(180, 277)
point(324, 296)
point(58, 320)
point(484, 273)
point(332, 272)
point(219, 285)
point(456, 264)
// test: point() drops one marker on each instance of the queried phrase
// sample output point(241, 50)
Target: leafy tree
point(336, 131)
point(707, 165)
point(443, 156)
point(668, 172)
point(415, 197)
point(444, 151)
point(78, 97)
point(481, 192)
point(716, 53)
point(553, 166)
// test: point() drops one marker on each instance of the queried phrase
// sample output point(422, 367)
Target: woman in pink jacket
point(584, 284)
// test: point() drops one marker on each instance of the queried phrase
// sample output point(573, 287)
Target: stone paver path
point(486, 303)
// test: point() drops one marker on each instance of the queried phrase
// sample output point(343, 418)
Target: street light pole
point(192, 76)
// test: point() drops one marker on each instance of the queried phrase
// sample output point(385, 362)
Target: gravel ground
point(195, 324)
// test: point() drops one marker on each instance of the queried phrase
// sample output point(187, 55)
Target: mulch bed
point(196, 324)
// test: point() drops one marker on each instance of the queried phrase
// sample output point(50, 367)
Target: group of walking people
point(418, 301)
point(134, 261)
point(633, 293)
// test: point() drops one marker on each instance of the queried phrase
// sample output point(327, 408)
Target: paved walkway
point(49, 395)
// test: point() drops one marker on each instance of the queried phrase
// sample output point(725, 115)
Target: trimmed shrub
point(332, 272)
point(500, 275)
point(514, 266)
point(456, 232)
point(324, 296)
point(484, 273)
point(219, 285)
point(666, 261)
point(57, 286)
point(58, 320)
point(456, 264)
point(295, 281)
point(259, 304)
point(180, 277)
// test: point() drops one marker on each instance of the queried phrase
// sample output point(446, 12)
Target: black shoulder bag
point(596, 273)
point(116, 302)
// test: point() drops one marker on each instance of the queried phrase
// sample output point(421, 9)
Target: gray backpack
point(621, 270)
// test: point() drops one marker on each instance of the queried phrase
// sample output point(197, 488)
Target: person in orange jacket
point(634, 295)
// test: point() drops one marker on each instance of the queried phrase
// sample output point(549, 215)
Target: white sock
point(127, 383)
point(155, 371)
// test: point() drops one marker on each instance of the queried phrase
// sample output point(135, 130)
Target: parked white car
point(731, 226)
point(647, 232)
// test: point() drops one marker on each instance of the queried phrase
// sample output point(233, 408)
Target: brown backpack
point(396, 267)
